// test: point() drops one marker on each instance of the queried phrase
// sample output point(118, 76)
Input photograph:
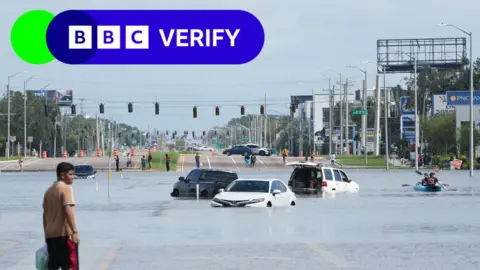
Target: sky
point(307, 43)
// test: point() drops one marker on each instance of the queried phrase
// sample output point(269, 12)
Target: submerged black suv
point(209, 181)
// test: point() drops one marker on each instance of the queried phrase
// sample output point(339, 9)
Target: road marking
point(261, 162)
point(235, 163)
point(337, 261)
point(111, 257)
point(209, 165)
point(9, 248)
point(249, 257)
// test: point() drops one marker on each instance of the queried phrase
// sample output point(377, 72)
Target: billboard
point(60, 97)
point(404, 110)
point(407, 127)
point(462, 98)
point(439, 105)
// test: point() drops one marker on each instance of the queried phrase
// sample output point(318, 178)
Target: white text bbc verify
point(137, 37)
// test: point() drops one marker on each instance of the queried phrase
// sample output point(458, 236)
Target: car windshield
point(248, 186)
point(83, 169)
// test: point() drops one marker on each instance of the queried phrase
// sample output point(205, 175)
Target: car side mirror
point(349, 180)
point(94, 172)
point(276, 191)
point(181, 178)
point(221, 190)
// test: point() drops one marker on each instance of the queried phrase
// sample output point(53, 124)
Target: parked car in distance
point(255, 193)
point(309, 177)
point(257, 150)
point(209, 181)
point(238, 150)
point(84, 171)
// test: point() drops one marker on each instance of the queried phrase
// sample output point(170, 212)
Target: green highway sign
point(359, 112)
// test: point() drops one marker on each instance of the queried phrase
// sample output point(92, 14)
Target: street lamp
point(415, 93)
point(364, 117)
point(341, 112)
point(472, 126)
point(378, 115)
point(8, 110)
point(25, 115)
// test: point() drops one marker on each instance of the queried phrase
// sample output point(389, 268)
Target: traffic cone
point(436, 168)
point(213, 153)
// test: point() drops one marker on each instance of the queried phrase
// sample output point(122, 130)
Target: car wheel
point(262, 153)
point(229, 154)
point(293, 203)
point(204, 194)
point(269, 204)
point(245, 154)
point(175, 193)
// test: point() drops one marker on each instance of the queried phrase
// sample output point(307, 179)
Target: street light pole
point(364, 117)
point(386, 119)
point(25, 115)
point(472, 126)
point(8, 112)
point(415, 91)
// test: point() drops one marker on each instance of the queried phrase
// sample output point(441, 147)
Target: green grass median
point(158, 161)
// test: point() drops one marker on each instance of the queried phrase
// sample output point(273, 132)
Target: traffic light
point(146, 135)
point(45, 109)
point(130, 107)
point(193, 134)
point(194, 112)
point(157, 108)
point(262, 110)
point(244, 132)
point(215, 133)
point(204, 133)
point(242, 110)
point(292, 109)
point(133, 135)
point(73, 109)
point(166, 132)
point(217, 111)
point(102, 108)
point(228, 133)
point(185, 132)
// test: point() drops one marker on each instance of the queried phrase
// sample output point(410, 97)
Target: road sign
point(30, 139)
point(13, 138)
point(359, 112)
point(244, 139)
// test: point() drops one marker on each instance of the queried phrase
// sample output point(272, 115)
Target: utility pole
point(331, 88)
point(266, 123)
point(98, 134)
point(8, 118)
point(377, 115)
point(341, 115)
point(386, 121)
point(312, 121)
point(347, 138)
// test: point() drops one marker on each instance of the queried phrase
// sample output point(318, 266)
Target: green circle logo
point(29, 37)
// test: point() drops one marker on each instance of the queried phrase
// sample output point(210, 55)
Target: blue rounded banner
point(155, 37)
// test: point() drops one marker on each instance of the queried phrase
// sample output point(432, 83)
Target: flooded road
point(385, 226)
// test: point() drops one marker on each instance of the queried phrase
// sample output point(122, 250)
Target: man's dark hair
point(64, 167)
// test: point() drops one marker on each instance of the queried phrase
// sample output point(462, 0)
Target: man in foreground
point(59, 221)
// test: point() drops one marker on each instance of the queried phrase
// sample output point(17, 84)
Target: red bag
point(73, 252)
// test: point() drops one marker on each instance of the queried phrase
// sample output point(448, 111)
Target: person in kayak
point(432, 181)
point(425, 178)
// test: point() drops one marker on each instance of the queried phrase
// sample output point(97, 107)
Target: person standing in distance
point(61, 235)
point(197, 160)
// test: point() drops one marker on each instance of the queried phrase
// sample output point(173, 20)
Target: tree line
point(47, 121)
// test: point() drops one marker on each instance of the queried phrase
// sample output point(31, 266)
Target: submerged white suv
point(257, 150)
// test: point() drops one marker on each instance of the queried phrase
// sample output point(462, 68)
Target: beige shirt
point(55, 199)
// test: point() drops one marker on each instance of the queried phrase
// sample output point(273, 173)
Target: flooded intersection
point(140, 226)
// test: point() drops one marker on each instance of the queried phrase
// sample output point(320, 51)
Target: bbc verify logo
point(137, 37)
point(152, 37)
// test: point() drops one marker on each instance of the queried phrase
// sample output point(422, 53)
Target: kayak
point(427, 189)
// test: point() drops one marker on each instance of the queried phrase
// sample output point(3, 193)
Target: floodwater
point(385, 226)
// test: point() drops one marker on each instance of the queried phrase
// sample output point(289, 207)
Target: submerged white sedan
point(255, 193)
